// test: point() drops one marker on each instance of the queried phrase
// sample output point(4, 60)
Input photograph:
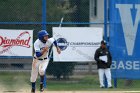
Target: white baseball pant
point(38, 66)
point(107, 73)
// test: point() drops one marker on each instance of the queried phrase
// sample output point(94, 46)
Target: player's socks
point(33, 87)
point(41, 87)
point(41, 83)
point(42, 78)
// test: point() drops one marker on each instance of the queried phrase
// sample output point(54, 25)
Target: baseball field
point(19, 82)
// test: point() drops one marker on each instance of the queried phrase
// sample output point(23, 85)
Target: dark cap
point(103, 42)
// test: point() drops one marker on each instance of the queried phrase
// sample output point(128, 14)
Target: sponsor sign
point(77, 43)
point(16, 42)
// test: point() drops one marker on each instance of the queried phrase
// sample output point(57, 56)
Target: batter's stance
point(40, 60)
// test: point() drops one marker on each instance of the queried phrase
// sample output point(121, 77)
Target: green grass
point(13, 81)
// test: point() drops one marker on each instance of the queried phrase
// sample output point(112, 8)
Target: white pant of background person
point(38, 66)
point(107, 73)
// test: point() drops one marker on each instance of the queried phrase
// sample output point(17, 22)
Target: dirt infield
point(73, 92)
point(27, 90)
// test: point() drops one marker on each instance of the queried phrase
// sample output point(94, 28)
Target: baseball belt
point(40, 58)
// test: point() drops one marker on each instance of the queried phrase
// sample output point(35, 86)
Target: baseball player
point(104, 60)
point(40, 60)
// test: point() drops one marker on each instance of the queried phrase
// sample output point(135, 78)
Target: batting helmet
point(41, 34)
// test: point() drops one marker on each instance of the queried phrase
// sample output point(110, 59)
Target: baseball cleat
point(41, 90)
point(33, 91)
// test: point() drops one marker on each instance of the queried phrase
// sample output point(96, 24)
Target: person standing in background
point(104, 60)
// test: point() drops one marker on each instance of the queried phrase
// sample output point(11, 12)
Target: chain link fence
point(28, 14)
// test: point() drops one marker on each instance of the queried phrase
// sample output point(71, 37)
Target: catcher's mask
point(41, 35)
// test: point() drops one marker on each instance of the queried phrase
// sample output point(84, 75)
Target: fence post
point(115, 82)
point(44, 18)
point(90, 68)
point(105, 31)
point(44, 14)
point(105, 20)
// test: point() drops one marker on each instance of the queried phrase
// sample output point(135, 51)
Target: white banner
point(16, 42)
point(77, 43)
